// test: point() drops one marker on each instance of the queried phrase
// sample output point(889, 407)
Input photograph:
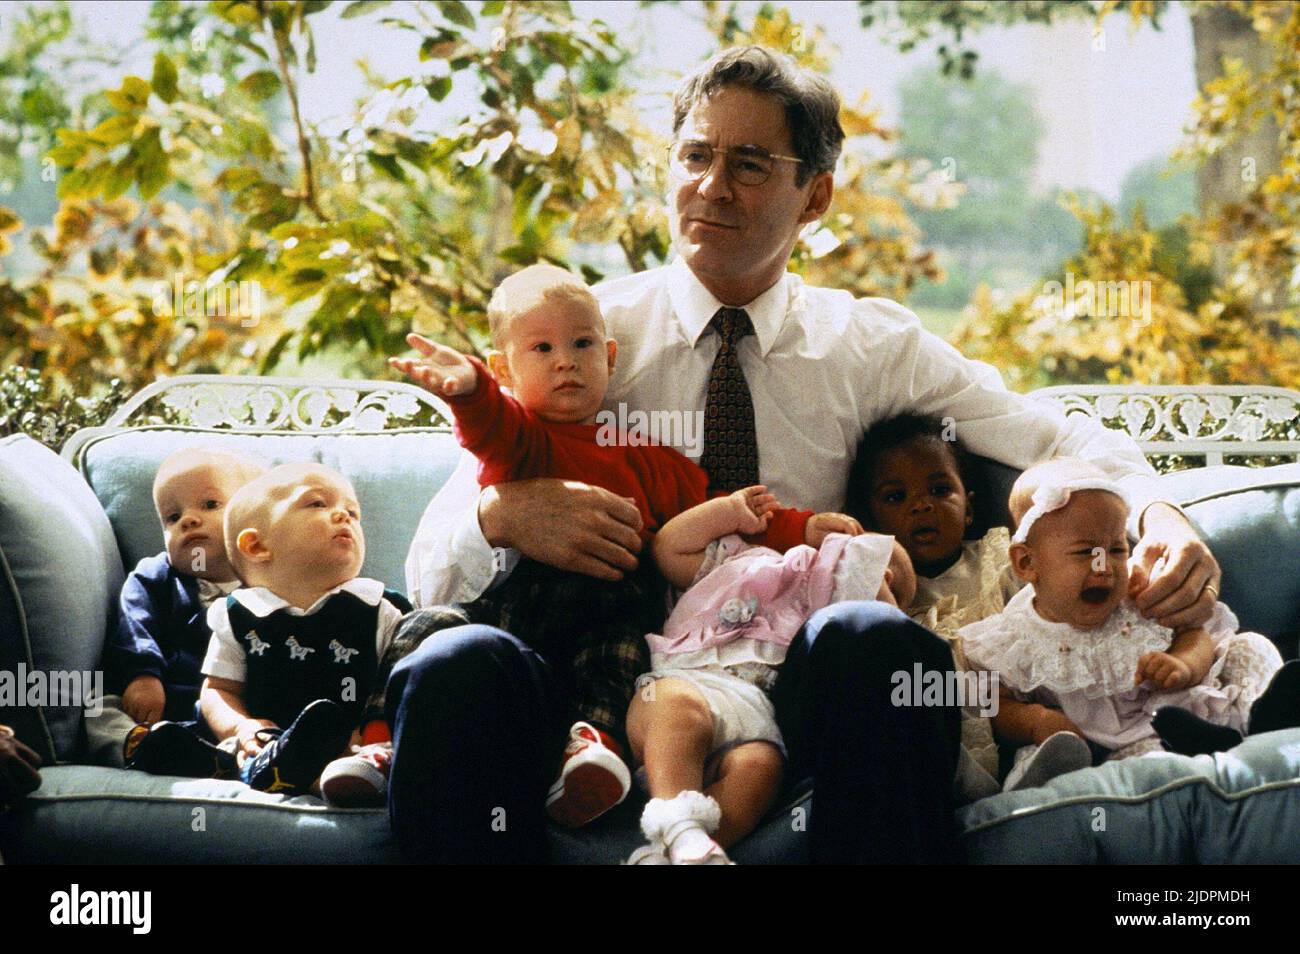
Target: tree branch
point(308, 194)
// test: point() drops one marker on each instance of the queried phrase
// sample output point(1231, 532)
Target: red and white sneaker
point(358, 780)
point(593, 778)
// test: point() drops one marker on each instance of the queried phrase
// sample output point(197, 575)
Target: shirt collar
point(261, 602)
point(695, 306)
point(210, 591)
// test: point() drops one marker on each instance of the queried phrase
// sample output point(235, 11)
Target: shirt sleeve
point(496, 429)
point(133, 648)
point(925, 375)
point(389, 618)
point(786, 530)
point(450, 561)
point(225, 658)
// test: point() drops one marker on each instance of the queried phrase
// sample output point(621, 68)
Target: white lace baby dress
point(1088, 674)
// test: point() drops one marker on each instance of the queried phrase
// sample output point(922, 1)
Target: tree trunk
point(1231, 173)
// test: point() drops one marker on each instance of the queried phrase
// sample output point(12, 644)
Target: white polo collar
point(261, 602)
point(695, 306)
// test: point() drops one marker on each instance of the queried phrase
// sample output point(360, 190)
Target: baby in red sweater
point(553, 355)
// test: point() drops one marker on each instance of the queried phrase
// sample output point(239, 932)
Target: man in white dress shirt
point(476, 712)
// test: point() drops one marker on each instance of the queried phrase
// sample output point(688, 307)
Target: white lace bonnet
point(1055, 495)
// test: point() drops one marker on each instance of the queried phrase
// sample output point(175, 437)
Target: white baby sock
point(682, 825)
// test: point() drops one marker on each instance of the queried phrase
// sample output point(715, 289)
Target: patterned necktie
point(730, 455)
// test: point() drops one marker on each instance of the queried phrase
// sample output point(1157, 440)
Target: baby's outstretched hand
point(444, 371)
point(820, 525)
point(1164, 670)
point(753, 507)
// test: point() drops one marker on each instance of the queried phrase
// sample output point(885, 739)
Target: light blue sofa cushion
point(1251, 519)
point(89, 815)
point(61, 573)
point(395, 474)
point(1235, 807)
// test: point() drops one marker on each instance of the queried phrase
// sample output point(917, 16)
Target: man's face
point(737, 238)
point(191, 504)
point(557, 361)
point(313, 532)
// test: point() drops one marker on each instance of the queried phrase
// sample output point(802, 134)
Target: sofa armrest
point(60, 574)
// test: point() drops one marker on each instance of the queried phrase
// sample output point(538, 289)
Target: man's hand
point(444, 371)
point(18, 765)
point(753, 507)
point(1175, 578)
point(820, 525)
point(144, 699)
point(565, 524)
point(1164, 670)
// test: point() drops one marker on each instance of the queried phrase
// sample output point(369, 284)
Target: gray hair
point(812, 107)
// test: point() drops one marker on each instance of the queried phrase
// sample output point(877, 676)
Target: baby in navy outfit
point(153, 654)
point(295, 652)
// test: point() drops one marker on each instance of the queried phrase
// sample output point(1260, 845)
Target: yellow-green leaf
point(132, 96)
point(456, 12)
point(164, 78)
point(237, 178)
point(359, 7)
point(260, 85)
point(115, 130)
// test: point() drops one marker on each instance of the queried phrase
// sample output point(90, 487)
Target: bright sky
point(1106, 109)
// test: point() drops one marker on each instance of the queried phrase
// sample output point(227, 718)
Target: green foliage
point(176, 185)
point(909, 22)
point(984, 134)
point(355, 234)
point(1166, 193)
point(46, 54)
point(1241, 325)
point(30, 404)
point(1118, 314)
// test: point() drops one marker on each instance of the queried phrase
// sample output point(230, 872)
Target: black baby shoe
point(295, 757)
point(176, 748)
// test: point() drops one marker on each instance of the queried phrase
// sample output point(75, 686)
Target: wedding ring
point(1213, 590)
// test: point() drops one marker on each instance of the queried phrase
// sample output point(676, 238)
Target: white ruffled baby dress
point(1088, 673)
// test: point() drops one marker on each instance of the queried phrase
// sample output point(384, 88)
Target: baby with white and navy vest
point(294, 652)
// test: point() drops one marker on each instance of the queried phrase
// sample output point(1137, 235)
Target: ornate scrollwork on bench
point(280, 404)
point(1196, 424)
point(256, 404)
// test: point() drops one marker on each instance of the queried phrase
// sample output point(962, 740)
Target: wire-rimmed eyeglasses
point(690, 159)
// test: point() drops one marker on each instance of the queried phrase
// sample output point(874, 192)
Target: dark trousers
point(591, 631)
point(479, 721)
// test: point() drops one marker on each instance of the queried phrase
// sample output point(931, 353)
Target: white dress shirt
point(822, 367)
